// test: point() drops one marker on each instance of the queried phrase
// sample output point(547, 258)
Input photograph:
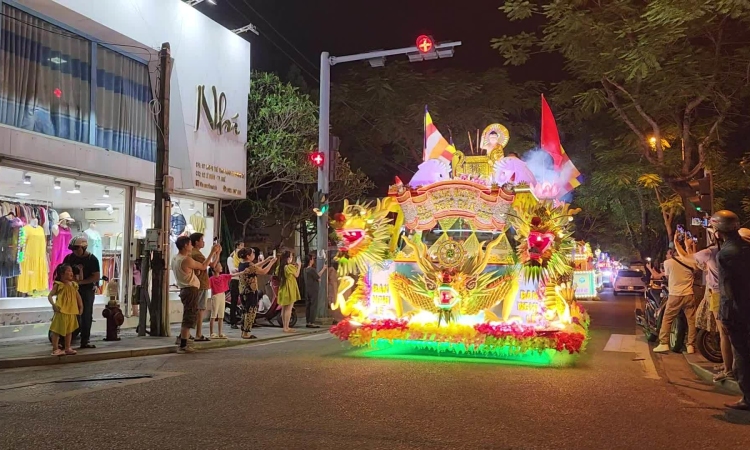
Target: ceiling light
point(57, 185)
point(22, 194)
point(26, 178)
point(106, 193)
point(76, 189)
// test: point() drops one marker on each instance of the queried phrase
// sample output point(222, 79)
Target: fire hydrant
point(113, 313)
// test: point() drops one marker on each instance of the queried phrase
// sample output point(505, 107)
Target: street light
point(425, 49)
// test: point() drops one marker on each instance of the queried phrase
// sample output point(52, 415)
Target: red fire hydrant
point(113, 313)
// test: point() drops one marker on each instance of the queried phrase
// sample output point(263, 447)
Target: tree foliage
point(671, 70)
point(379, 112)
point(282, 131)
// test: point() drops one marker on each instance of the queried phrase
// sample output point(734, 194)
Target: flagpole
point(424, 135)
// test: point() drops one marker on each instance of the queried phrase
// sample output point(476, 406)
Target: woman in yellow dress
point(67, 306)
point(288, 289)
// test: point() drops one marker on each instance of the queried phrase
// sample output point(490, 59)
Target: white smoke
point(542, 166)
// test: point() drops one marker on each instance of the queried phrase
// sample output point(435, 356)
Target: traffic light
point(321, 203)
point(702, 198)
point(425, 44)
point(318, 159)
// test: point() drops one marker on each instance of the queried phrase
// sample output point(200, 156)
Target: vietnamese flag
point(550, 143)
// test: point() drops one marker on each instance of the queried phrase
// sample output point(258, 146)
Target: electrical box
point(153, 239)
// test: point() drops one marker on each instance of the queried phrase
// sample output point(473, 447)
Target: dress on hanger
point(59, 251)
point(95, 244)
point(198, 222)
point(34, 267)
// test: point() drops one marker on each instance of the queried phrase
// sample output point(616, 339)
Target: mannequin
point(33, 265)
point(95, 241)
point(61, 239)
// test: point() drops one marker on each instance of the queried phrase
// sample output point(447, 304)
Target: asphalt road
point(314, 393)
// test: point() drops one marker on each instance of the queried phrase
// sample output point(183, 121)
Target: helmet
point(725, 221)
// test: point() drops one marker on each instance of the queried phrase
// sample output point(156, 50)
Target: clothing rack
point(24, 201)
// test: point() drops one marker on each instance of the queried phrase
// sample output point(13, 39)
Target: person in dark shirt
point(312, 285)
point(734, 286)
point(87, 274)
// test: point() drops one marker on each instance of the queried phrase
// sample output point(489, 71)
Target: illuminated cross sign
point(317, 159)
point(425, 44)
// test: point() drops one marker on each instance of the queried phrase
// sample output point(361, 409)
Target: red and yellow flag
point(435, 145)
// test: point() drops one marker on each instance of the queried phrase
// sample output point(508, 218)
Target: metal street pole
point(377, 59)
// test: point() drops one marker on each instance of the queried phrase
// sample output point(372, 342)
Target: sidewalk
point(704, 369)
point(26, 352)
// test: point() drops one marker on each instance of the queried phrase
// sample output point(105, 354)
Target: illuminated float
point(456, 263)
point(587, 277)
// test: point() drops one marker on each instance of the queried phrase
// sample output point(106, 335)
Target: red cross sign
point(425, 44)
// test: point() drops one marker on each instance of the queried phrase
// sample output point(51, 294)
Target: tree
point(282, 131)
point(672, 71)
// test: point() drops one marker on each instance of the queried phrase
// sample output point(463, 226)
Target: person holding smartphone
point(288, 287)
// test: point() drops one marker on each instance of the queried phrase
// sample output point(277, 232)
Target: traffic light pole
point(441, 50)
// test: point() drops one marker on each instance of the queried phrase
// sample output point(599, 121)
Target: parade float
point(474, 256)
point(587, 276)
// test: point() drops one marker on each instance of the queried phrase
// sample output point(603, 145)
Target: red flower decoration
point(339, 217)
point(536, 221)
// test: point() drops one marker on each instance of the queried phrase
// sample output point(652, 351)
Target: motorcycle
point(649, 319)
point(707, 343)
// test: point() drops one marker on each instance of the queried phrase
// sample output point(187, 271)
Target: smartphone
point(274, 253)
point(216, 240)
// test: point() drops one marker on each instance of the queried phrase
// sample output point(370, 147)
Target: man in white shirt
point(679, 273)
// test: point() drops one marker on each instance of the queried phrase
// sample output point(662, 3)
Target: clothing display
point(34, 269)
point(95, 243)
point(198, 222)
point(59, 251)
point(10, 226)
point(177, 224)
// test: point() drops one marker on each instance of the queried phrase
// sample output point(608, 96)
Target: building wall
point(204, 53)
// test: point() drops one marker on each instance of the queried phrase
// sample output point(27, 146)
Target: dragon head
point(544, 239)
point(363, 234)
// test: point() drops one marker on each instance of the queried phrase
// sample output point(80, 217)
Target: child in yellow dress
point(67, 306)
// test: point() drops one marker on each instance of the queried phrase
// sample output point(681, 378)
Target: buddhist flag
point(435, 145)
point(569, 176)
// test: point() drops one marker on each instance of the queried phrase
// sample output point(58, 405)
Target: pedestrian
point(249, 292)
point(706, 260)
point(288, 288)
point(680, 277)
point(185, 268)
point(734, 304)
point(196, 239)
point(87, 274)
point(67, 305)
point(312, 285)
point(234, 285)
point(219, 283)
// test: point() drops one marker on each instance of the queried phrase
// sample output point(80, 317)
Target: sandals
point(70, 352)
point(222, 336)
point(252, 336)
point(58, 352)
point(202, 339)
point(87, 345)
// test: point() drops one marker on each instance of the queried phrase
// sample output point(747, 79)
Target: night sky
point(354, 26)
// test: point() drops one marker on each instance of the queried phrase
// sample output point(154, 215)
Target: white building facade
point(78, 135)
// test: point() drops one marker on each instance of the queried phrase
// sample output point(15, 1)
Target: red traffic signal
point(317, 159)
point(425, 44)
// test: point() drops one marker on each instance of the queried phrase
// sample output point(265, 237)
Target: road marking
point(621, 343)
point(643, 355)
point(317, 337)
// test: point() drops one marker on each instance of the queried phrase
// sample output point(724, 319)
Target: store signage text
point(208, 175)
point(216, 120)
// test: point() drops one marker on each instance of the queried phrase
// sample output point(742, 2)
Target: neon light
point(425, 44)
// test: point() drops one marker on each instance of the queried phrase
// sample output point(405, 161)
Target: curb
point(708, 376)
point(13, 363)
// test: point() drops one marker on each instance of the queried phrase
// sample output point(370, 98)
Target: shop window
point(45, 77)
point(41, 213)
point(124, 121)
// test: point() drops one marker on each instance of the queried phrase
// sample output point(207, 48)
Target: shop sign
point(216, 120)
point(208, 176)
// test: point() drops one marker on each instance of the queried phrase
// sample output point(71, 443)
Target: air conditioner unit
point(102, 215)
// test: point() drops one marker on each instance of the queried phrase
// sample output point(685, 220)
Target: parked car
point(629, 281)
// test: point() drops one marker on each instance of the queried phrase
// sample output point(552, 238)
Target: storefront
point(78, 140)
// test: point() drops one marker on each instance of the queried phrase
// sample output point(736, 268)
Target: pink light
point(57, 92)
